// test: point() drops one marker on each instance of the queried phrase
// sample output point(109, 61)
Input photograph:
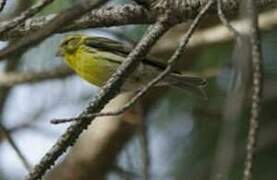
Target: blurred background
point(169, 135)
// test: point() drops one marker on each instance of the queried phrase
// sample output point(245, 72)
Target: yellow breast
point(89, 66)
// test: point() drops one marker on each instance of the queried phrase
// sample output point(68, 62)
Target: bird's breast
point(90, 68)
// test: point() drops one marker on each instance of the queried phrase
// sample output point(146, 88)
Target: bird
point(96, 58)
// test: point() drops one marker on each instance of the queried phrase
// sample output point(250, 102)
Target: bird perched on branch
point(96, 58)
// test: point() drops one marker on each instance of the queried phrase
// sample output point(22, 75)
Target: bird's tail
point(193, 84)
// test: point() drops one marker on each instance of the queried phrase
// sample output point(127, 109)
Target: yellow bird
point(96, 58)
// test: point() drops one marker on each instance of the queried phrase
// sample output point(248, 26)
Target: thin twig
point(7, 25)
point(64, 18)
point(2, 4)
point(178, 53)
point(224, 20)
point(20, 155)
point(109, 91)
point(220, 34)
point(257, 76)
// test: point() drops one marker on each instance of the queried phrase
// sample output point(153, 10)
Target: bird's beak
point(60, 53)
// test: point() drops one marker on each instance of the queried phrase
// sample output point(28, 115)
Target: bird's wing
point(116, 47)
point(105, 44)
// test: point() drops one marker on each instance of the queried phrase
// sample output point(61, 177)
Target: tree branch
point(62, 19)
point(111, 16)
point(109, 91)
point(267, 21)
point(171, 62)
point(11, 141)
point(257, 84)
point(103, 17)
point(95, 153)
point(7, 25)
point(219, 33)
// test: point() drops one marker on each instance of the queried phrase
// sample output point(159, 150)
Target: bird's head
point(70, 44)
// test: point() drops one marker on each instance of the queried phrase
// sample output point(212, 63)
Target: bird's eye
point(66, 42)
point(71, 45)
point(73, 42)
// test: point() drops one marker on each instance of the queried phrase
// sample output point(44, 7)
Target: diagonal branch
point(62, 19)
point(15, 147)
point(171, 62)
point(267, 21)
point(219, 34)
point(107, 16)
point(7, 25)
point(109, 91)
point(224, 20)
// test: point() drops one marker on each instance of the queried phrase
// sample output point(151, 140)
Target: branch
point(224, 20)
point(257, 84)
point(267, 21)
point(7, 25)
point(109, 91)
point(15, 78)
point(20, 155)
point(218, 34)
point(111, 16)
point(171, 62)
point(95, 153)
point(62, 19)
point(103, 17)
